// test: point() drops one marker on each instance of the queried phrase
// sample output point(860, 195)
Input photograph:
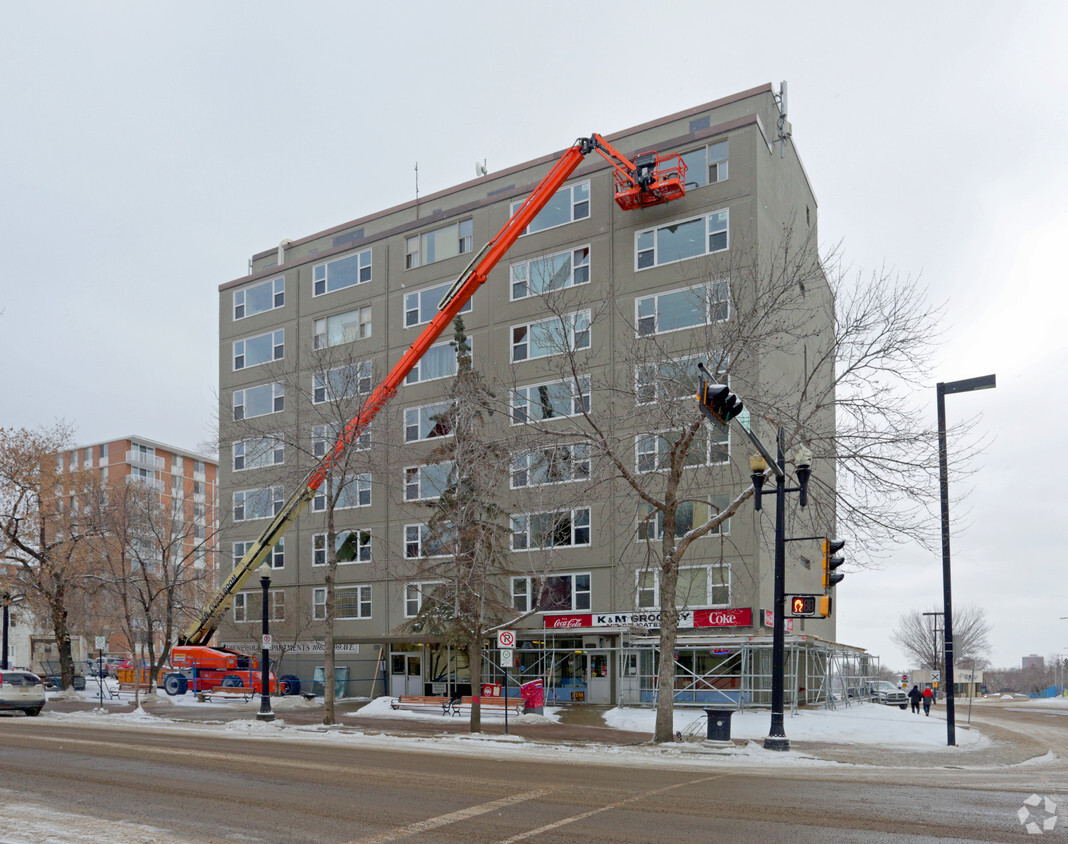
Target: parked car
point(21, 690)
point(886, 692)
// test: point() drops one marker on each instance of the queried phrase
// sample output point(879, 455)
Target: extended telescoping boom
point(649, 180)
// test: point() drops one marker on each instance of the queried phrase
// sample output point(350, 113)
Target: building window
point(342, 328)
point(554, 272)
point(341, 273)
point(423, 483)
point(276, 556)
point(538, 402)
point(416, 594)
point(254, 453)
point(342, 382)
point(556, 592)
point(560, 529)
point(422, 306)
point(689, 515)
point(359, 545)
point(567, 205)
point(427, 422)
point(707, 165)
point(698, 586)
point(356, 492)
point(264, 503)
point(324, 437)
point(260, 298)
point(710, 445)
point(552, 336)
point(420, 541)
point(350, 602)
point(681, 240)
point(248, 606)
point(438, 244)
point(438, 362)
point(556, 465)
point(674, 379)
point(263, 348)
point(701, 304)
point(259, 401)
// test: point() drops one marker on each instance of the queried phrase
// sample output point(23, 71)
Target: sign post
point(505, 642)
point(101, 643)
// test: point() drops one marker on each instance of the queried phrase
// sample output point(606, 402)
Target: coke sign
point(564, 621)
point(723, 618)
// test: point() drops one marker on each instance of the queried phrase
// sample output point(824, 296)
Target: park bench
point(455, 705)
point(227, 693)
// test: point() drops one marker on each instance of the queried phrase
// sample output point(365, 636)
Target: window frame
point(324, 436)
point(414, 481)
point(420, 539)
point(710, 301)
point(276, 556)
point(435, 291)
point(415, 376)
point(572, 253)
point(709, 232)
point(658, 453)
point(364, 541)
point(574, 593)
point(577, 399)
point(574, 464)
point(574, 529)
point(465, 241)
point(577, 338)
point(277, 451)
point(321, 327)
point(359, 482)
point(278, 399)
point(277, 344)
point(278, 297)
point(420, 586)
point(710, 587)
point(276, 601)
point(276, 499)
point(414, 418)
point(323, 388)
point(574, 203)
point(364, 598)
point(322, 287)
point(654, 518)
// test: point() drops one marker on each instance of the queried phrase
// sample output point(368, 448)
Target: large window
point(561, 529)
point(259, 298)
point(354, 542)
point(259, 401)
point(341, 273)
point(710, 445)
point(342, 382)
point(537, 402)
point(438, 362)
point(555, 465)
point(552, 336)
point(420, 541)
point(417, 594)
point(263, 503)
point(350, 602)
point(673, 379)
point(567, 205)
point(324, 437)
point(701, 304)
point(258, 452)
point(554, 593)
point(276, 556)
point(422, 306)
point(553, 272)
point(248, 606)
point(422, 483)
point(427, 422)
point(681, 240)
point(342, 328)
point(688, 515)
point(438, 244)
point(698, 586)
point(355, 492)
point(707, 165)
point(263, 348)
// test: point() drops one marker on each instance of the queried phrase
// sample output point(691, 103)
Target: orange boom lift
point(649, 180)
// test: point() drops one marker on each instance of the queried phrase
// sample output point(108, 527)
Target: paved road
point(74, 782)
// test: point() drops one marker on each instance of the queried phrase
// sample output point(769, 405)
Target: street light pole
point(3, 655)
point(983, 382)
point(265, 713)
point(776, 738)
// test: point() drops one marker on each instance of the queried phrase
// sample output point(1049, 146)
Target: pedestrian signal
point(802, 606)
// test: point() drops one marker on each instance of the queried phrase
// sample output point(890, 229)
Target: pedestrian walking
point(914, 695)
point(928, 699)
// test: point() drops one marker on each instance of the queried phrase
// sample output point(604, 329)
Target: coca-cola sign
point(742, 617)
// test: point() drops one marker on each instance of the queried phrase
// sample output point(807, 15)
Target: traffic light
point(718, 402)
point(802, 606)
point(831, 561)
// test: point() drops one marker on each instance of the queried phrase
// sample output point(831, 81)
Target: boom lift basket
point(656, 179)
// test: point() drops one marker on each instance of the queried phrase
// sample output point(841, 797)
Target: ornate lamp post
point(265, 713)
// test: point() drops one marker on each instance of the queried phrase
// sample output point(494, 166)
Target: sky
point(149, 150)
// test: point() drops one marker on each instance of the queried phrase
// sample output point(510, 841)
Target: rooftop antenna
point(783, 128)
point(480, 168)
point(417, 190)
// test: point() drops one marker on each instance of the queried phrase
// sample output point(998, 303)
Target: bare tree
point(45, 525)
point(461, 592)
point(922, 640)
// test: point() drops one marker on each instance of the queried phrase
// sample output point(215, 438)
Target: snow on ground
point(860, 723)
point(380, 708)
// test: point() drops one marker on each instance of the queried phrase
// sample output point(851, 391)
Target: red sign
point(569, 620)
point(723, 618)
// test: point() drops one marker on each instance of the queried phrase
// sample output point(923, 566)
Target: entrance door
point(599, 681)
point(406, 674)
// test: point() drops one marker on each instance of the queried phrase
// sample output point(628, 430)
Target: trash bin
point(719, 724)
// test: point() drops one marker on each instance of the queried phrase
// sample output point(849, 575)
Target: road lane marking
point(26, 822)
point(593, 812)
point(453, 817)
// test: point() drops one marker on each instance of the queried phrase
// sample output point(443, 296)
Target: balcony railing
point(136, 457)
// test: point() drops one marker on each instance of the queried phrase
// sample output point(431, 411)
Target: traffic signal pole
point(776, 739)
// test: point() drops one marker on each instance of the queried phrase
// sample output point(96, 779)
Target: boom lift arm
point(649, 180)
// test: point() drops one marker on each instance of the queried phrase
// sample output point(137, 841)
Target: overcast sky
point(149, 150)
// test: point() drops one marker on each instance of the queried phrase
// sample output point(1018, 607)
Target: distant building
point(1034, 661)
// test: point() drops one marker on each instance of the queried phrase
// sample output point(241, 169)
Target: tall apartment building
point(186, 483)
point(634, 294)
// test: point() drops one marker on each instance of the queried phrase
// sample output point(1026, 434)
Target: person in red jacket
point(928, 699)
